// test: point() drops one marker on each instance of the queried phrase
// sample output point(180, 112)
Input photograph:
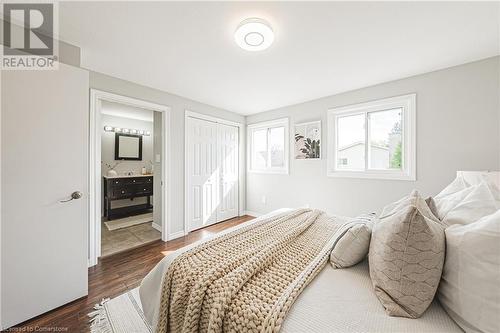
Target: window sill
point(385, 175)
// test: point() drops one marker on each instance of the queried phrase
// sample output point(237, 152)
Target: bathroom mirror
point(128, 147)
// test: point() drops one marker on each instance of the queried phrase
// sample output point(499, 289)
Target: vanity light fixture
point(254, 34)
point(126, 130)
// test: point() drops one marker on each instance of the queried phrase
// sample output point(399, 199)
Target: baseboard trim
point(156, 226)
point(175, 235)
point(254, 214)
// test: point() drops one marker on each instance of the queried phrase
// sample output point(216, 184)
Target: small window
point(373, 140)
point(268, 147)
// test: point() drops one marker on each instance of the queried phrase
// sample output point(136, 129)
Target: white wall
point(178, 106)
point(457, 129)
point(108, 145)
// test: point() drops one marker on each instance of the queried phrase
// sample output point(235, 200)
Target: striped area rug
point(122, 314)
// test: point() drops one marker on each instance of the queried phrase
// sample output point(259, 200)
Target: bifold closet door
point(202, 174)
point(227, 148)
point(212, 172)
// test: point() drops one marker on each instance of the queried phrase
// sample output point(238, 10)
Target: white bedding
point(337, 300)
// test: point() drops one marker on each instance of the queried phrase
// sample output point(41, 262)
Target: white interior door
point(44, 159)
point(202, 173)
point(227, 148)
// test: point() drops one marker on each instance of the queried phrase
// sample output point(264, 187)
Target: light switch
point(158, 158)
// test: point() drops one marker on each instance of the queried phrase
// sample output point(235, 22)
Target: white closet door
point(228, 169)
point(202, 174)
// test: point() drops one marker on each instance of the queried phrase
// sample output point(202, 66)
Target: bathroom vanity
point(127, 187)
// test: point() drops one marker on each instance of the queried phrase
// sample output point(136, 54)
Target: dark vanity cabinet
point(130, 187)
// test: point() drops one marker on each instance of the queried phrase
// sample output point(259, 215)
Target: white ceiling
point(320, 48)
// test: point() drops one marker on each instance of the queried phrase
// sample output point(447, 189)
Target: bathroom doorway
point(130, 153)
point(129, 171)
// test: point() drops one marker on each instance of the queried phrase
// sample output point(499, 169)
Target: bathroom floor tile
point(126, 238)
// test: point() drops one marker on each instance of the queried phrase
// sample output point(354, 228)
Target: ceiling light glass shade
point(118, 129)
point(147, 133)
point(108, 128)
point(254, 34)
point(133, 131)
point(125, 130)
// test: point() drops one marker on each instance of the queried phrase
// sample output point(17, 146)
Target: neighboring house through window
point(373, 140)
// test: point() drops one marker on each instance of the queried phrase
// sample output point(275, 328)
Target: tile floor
point(126, 238)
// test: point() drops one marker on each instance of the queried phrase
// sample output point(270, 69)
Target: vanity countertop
point(127, 176)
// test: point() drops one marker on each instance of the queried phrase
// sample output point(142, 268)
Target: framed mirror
point(128, 147)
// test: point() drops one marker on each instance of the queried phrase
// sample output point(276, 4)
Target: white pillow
point(353, 243)
point(456, 185)
point(470, 286)
point(456, 192)
point(450, 197)
point(480, 201)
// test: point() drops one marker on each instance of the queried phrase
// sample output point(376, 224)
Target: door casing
point(95, 177)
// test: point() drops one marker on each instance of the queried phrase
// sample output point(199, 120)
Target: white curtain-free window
point(374, 139)
point(268, 146)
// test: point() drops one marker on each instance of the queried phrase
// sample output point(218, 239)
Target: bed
point(336, 300)
point(320, 306)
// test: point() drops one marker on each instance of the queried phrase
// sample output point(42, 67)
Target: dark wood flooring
point(113, 276)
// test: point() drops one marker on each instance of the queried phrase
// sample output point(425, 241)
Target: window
point(268, 147)
point(373, 140)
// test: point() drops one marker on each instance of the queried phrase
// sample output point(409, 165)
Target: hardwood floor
point(113, 276)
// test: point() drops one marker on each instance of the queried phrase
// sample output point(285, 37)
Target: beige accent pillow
point(470, 285)
point(432, 205)
point(406, 256)
point(352, 246)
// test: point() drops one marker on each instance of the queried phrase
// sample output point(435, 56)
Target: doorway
point(129, 172)
point(130, 154)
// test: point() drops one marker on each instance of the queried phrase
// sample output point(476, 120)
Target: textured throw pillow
point(470, 285)
point(406, 256)
point(432, 205)
point(478, 203)
point(352, 246)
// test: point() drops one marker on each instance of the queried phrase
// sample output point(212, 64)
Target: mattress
point(337, 300)
point(342, 300)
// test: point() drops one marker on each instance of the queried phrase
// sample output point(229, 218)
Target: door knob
point(74, 196)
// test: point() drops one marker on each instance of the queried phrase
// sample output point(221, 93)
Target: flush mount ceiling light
point(254, 34)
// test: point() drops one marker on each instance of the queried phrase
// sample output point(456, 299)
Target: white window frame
point(267, 125)
point(408, 171)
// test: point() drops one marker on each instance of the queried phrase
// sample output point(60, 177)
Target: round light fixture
point(254, 34)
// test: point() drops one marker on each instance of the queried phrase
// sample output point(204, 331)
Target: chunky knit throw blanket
point(246, 280)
